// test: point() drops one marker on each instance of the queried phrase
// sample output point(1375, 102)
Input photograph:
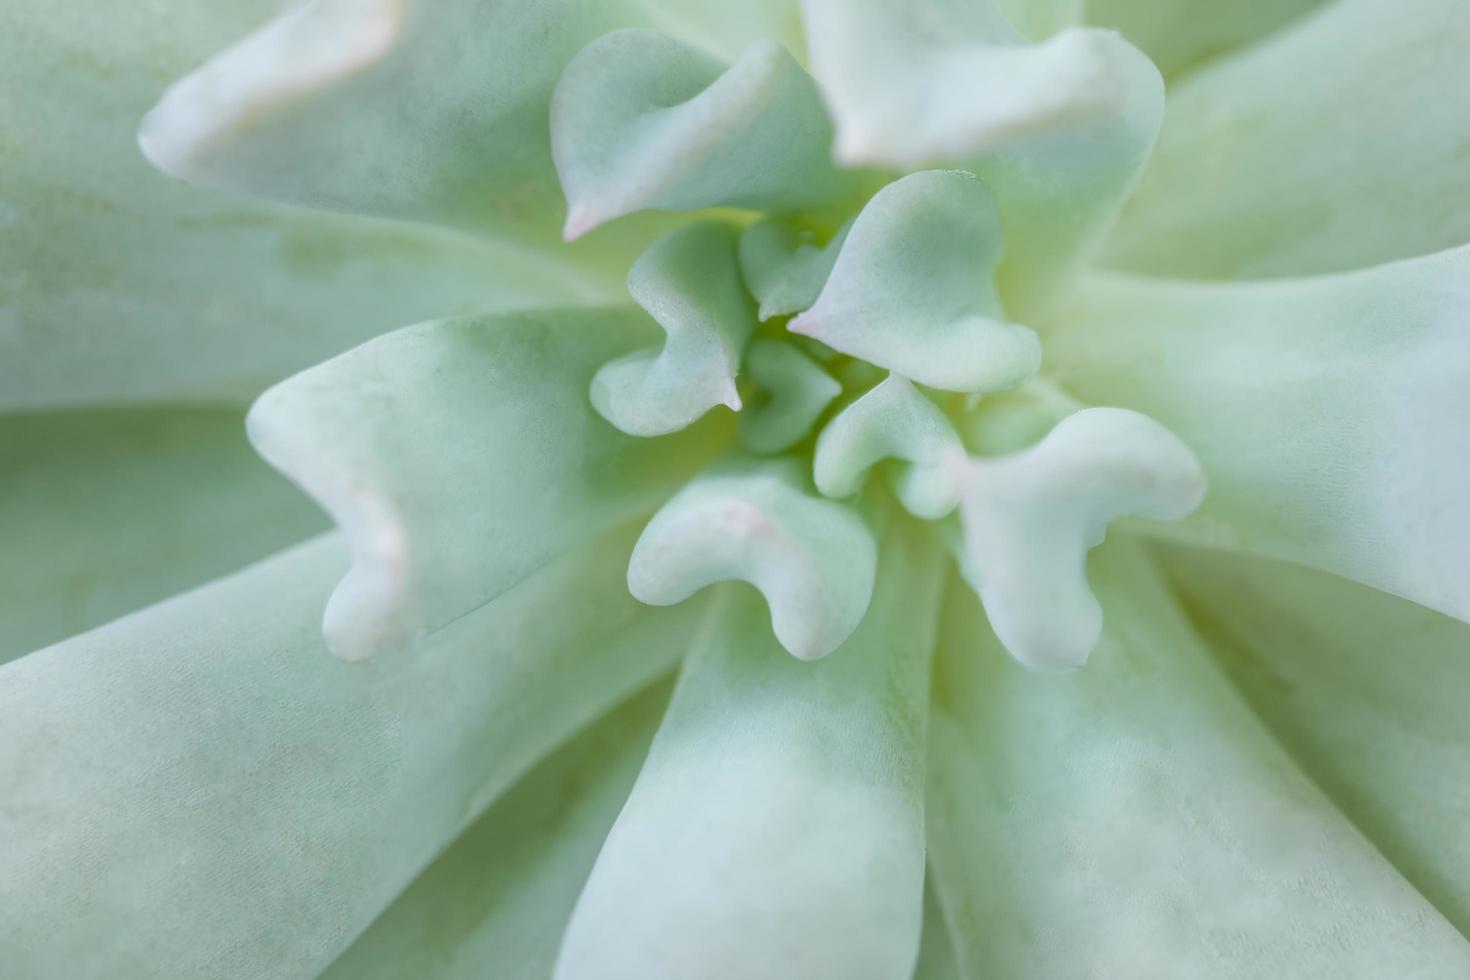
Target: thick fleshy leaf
point(756, 521)
point(942, 80)
point(102, 513)
point(496, 902)
point(777, 827)
point(784, 267)
point(1181, 34)
point(1137, 819)
point(687, 281)
point(893, 419)
point(200, 789)
point(1339, 144)
point(404, 108)
point(913, 288)
point(120, 286)
point(1029, 519)
point(792, 392)
point(457, 456)
point(1060, 130)
point(643, 121)
point(408, 108)
point(1367, 692)
point(1329, 413)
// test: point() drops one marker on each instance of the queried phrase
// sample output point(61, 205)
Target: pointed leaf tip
point(689, 283)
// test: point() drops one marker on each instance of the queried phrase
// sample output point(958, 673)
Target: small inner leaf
point(640, 120)
point(893, 419)
point(1029, 519)
point(688, 282)
point(783, 267)
point(913, 288)
point(755, 521)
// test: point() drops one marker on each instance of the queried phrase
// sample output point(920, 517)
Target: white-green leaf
point(1339, 144)
point(1029, 519)
point(102, 513)
point(757, 521)
point(940, 80)
point(913, 288)
point(118, 285)
point(643, 121)
point(460, 455)
point(1328, 412)
point(496, 902)
point(777, 827)
point(1060, 130)
point(783, 266)
point(201, 789)
point(1367, 692)
point(1136, 819)
point(688, 282)
point(893, 419)
point(403, 108)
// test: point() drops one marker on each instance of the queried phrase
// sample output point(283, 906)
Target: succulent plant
point(715, 583)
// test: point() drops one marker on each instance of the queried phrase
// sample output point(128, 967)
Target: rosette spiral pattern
point(806, 530)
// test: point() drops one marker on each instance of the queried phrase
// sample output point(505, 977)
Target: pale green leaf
point(421, 109)
point(201, 789)
point(404, 108)
point(102, 513)
point(688, 282)
point(495, 903)
point(913, 288)
point(1060, 130)
point(777, 828)
point(893, 419)
point(1329, 413)
point(757, 521)
point(1368, 693)
point(901, 79)
point(1136, 819)
point(1030, 517)
point(784, 267)
point(120, 286)
point(458, 456)
point(1338, 144)
point(643, 121)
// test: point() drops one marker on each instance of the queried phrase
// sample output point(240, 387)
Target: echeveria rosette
point(893, 352)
